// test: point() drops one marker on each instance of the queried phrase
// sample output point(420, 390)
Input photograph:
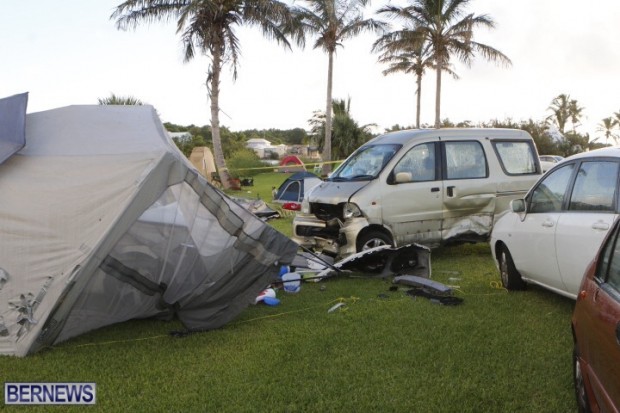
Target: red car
point(596, 331)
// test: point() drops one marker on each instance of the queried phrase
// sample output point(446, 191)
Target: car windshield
point(365, 163)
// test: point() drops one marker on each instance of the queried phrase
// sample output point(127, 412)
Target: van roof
point(404, 136)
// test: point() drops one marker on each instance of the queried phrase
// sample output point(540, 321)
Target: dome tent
point(295, 186)
point(105, 220)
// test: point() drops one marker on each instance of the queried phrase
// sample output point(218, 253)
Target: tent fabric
point(12, 125)
point(202, 159)
point(291, 163)
point(295, 186)
point(104, 220)
point(291, 160)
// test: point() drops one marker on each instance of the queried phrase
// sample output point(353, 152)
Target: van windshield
point(365, 164)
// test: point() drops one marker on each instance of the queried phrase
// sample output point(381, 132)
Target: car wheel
point(511, 279)
point(583, 403)
point(372, 239)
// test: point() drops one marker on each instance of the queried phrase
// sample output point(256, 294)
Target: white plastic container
point(291, 282)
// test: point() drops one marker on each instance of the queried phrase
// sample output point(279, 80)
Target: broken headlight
point(351, 210)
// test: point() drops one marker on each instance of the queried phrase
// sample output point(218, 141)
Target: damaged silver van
point(429, 186)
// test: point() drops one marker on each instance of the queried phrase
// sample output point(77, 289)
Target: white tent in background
point(103, 220)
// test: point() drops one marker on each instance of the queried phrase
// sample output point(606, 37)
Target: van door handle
point(600, 225)
point(435, 189)
point(547, 223)
point(450, 191)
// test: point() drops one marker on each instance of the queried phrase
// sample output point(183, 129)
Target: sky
point(69, 52)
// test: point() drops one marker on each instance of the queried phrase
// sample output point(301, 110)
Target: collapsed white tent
point(103, 220)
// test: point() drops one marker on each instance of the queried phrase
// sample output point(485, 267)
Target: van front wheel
point(372, 239)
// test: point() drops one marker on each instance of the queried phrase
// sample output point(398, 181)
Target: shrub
point(242, 162)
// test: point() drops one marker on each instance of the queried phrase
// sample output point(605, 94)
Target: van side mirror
point(517, 205)
point(402, 177)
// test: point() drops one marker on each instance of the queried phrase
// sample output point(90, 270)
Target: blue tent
point(295, 186)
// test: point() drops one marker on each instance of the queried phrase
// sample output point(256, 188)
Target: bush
point(243, 162)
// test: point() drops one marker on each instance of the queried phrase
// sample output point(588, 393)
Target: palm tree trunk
point(438, 97)
point(327, 145)
point(418, 100)
point(214, 96)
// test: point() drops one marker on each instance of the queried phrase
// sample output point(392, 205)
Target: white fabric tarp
point(103, 220)
point(12, 125)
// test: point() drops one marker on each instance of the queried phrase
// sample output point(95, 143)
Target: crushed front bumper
point(332, 237)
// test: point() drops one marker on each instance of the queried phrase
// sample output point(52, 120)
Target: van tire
point(372, 239)
point(511, 279)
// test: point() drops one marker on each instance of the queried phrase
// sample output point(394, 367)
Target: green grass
point(384, 352)
point(262, 186)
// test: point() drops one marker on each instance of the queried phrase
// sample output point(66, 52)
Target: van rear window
point(517, 158)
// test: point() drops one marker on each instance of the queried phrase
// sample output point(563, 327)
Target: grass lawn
point(382, 352)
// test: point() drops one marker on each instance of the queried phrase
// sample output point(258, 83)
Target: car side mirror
point(517, 205)
point(402, 177)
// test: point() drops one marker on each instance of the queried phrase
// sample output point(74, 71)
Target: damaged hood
point(335, 192)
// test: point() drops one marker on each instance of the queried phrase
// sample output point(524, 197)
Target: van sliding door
point(468, 192)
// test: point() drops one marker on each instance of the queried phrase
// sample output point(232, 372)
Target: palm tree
point(441, 23)
point(332, 22)
point(347, 135)
point(208, 27)
point(119, 100)
point(606, 126)
point(575, 112)
point(561, 108)
point(403, 52)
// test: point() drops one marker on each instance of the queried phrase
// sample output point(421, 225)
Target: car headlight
point(351, 210)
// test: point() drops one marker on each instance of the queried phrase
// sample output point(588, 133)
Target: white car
point(551, 158)
point(548, 161)
point(551, 236)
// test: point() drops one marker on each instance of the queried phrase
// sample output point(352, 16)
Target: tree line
point(555, 134)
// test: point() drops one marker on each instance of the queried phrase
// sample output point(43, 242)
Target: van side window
point(465, 160)
point(517, 158)
point(595, 187)
point(419, 162)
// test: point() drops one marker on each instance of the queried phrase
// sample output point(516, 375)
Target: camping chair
point(215, 180)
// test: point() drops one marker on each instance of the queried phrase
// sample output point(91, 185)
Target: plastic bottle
point(291, 282)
